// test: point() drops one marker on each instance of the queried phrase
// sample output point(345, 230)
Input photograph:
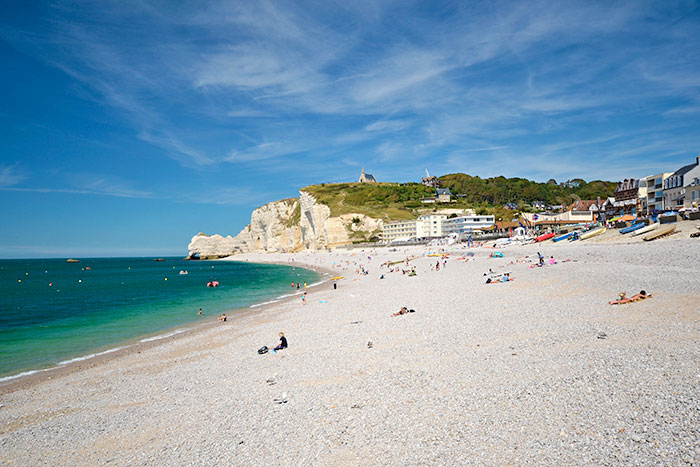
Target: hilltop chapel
point(366, 178)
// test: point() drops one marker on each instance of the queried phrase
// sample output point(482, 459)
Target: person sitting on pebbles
point(634, 298)
point(283, 343)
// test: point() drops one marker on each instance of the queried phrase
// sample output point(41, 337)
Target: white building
point(399, 230)
point(430, 225)
point(692, 194)
point(568, 216)
point(674, 186)
point(655, 193)
point(466, 224)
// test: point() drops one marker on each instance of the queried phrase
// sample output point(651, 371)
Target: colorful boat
point(646, 229)
point(563, 237)
point(632, 228)
point(592, 233)
point(544, 237)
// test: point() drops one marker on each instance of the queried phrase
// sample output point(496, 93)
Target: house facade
point(399, 230)
point(430, 225)
point(592, 205)
point(654, 202)
point(674, 186)
point(692, 194)
point(466, 224)
point(627, 196)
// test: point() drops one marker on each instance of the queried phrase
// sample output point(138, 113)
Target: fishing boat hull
point(593, 233)
point(661, 232)
point(646, 229)
point(632, 228)
point(562, 237)
point(544, 237)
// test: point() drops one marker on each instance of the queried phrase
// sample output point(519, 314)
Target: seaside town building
point(692, 194)
point(430, 225)
point(399, 230)
point(592, 205)
point(627, 197)
point(567, 217)
point(366, 178)
point(654, 202)
point(443, 195)
point(466, 224)
point(674, 186)
point(430, 181)
point(436, 225)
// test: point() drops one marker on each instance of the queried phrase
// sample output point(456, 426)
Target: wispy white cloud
point(10, 175)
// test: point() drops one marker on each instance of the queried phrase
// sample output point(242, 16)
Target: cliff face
point(287, 226)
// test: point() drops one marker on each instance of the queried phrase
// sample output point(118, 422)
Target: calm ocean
point(52, 311)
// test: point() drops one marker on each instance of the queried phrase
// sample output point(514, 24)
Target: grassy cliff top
point(398, 201)
point(379, 200)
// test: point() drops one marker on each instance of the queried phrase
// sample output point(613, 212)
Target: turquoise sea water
point(52, 311)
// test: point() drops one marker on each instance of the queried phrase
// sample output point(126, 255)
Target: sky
point(127, 127)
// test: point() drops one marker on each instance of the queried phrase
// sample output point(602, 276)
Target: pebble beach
point(537, 371)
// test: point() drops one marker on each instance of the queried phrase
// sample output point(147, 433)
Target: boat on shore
point(632, 228)
point(593, 233)
point(544, 237)
point(660, 232)
point(646, 229)
point(562, 237)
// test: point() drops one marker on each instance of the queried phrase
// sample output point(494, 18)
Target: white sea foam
point(163, 336)
point(61, 364)
point(19, 375)
point(264, 303)
point(92, 355)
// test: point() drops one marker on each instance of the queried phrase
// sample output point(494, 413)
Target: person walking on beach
point(303, 298)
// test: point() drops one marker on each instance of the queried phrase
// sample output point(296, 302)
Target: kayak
point(632, 228)
point(646, 229)
point(563, 237)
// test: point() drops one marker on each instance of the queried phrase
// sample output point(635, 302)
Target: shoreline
point(31, 377)
point(540, 370)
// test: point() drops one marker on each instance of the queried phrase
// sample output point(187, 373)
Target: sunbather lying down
point(634, 298)
point(403, 311)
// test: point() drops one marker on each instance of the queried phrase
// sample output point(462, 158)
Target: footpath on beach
point(537, 369)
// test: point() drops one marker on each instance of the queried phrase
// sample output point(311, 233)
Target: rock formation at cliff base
point(289, 225)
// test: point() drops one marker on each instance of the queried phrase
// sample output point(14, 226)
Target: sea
point(53, 313)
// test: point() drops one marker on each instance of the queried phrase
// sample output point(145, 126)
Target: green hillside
point(396, 201)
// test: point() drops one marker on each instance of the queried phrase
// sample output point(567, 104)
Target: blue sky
point(129, 126)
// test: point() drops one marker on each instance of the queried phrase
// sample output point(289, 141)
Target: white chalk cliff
point(289, 225)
